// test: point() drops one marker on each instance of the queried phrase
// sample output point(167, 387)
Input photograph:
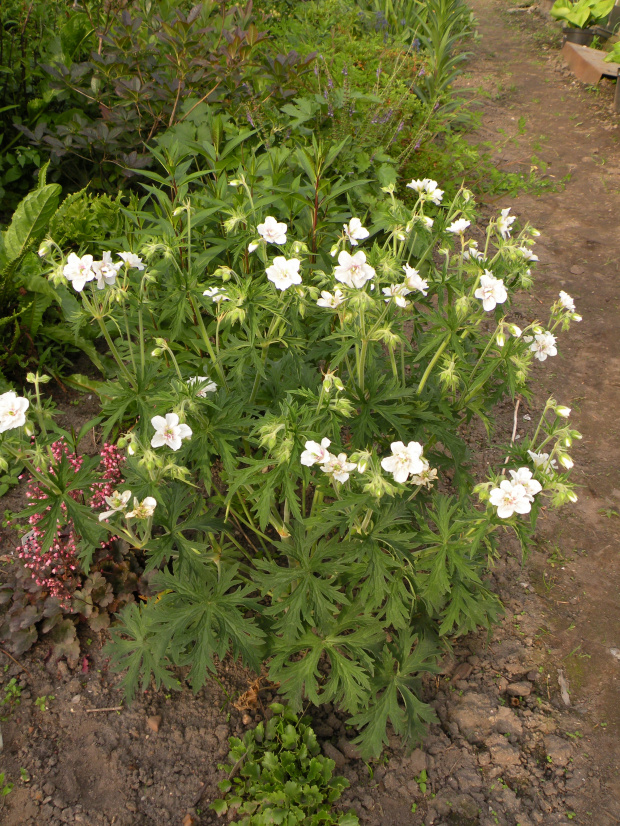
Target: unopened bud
point(563, 411)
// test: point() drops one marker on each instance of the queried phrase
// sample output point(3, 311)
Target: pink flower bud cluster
point(57, 570)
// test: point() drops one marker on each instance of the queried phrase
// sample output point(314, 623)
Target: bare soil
point(509, 749)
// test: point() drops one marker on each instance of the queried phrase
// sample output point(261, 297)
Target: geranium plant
point(292, 387)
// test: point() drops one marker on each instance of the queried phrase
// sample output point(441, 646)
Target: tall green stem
point(432, 363)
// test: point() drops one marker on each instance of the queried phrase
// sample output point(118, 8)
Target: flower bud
point(566, 461)
point(575, 317)
point(235, 182)
point(252, 246)
point(29, 429)
point(178, 211)
point(515, 331)
point(500, 339)
point(156, 352)
point(44, 249)
point(31, 378)
point(563, 411)
point(572, 496)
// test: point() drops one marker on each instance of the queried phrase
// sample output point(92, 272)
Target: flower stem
point(432, 363)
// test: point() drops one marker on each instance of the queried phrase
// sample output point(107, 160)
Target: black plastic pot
point(584, 37)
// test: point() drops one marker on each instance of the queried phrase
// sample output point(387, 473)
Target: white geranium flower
point(472, 252)
point(541, 461)
point(338, 467)
point(169, 432)
point(284, 273)
point(566, 301)
point(354, 231)
point(527, 253)
point(543, 345)
point(143, 509)
point(406, 460)
point(331, 301)
point(413, 280)
point(12, 411)
point(505, 222)
point(117, 502)
point(427, 189)
point(216, 294)
point(315, 453)
point(509, 498)
point(105, 271)
point(425, 477)
point(205, 385)
point(523, 476)
point(132, 260)
point(491, 291)
point(272, 231)
point(353, 270)
point(78, 270)
point(398, 293)
point(458, 227)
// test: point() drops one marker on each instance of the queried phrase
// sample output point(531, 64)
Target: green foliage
point(11, 699)
point(278, 775)
point(582, 13)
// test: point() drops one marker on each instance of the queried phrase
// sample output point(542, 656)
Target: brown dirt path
point(579, 252)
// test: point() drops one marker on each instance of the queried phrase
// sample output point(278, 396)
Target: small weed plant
point(277, 774)
point(292, 359)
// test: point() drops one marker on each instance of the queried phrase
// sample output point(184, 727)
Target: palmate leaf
point(138, 652)
point(177, 517)
point(393, 697)
point(202, 613)
point(347, 644)
point(308, 592)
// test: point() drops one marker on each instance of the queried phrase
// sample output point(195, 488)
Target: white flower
point(252, 246)
point(459, 227)
point(105, 271)
point(169, 432)
point(398, 293)
point(566, 301)
point(427, 189)
point(272, 231)
point(338, 467)
point(353, 270)
point(331, 301)
point(491, 290)
point(504, 222)
point(473, 252)
point(143, 509)
point(405, 460)
point(209, 386)
point(284, 273)
point(425, 477)
point(315, 453)
point(117, 502)
point(216, 294)
point(12, 411)
point(510, 498)
point(527, 253)
point(78, 270)
point(543, 345)
point(413, 280)
point(355, 232)
point(523, 476)
point(541, 461)
point(132, 260)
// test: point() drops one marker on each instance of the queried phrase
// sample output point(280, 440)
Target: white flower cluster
point(12, 411)
point(516, 495)
point(406, 461)
point(118, 503)
point(427, 190)
point(81, 270)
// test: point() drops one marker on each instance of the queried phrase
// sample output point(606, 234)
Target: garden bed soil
point(508, 748)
